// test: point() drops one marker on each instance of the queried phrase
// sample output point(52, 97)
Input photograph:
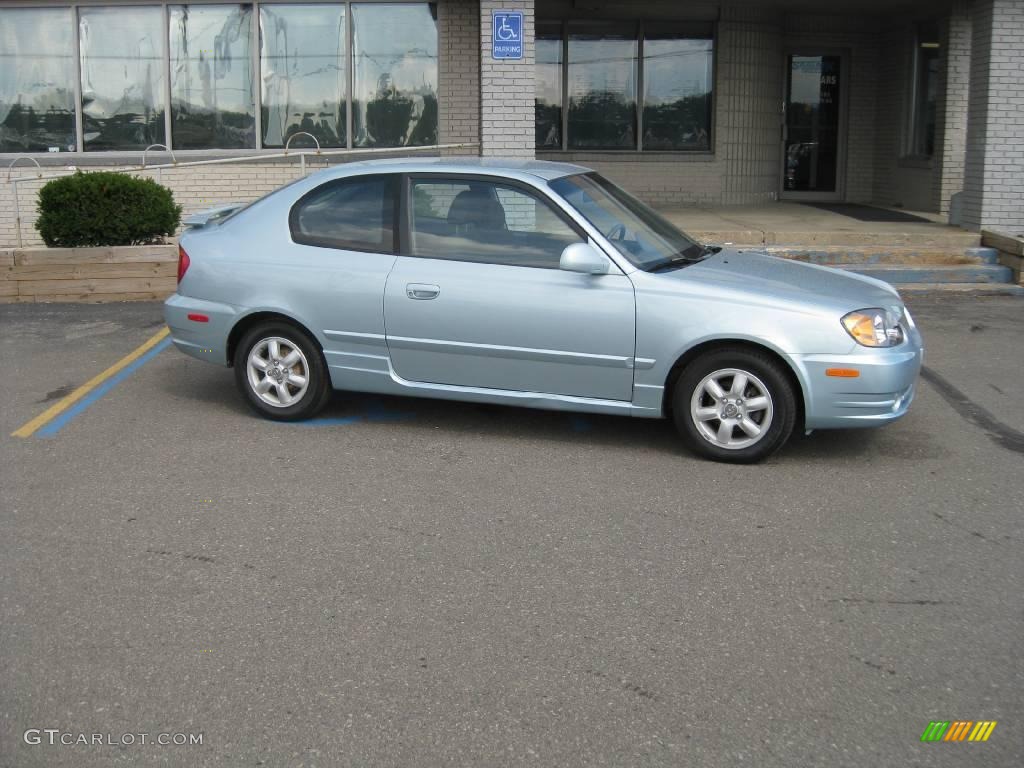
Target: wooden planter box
point(92, 275)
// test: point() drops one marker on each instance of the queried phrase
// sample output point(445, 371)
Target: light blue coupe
point(535, 284)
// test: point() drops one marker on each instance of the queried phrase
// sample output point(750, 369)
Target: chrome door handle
point(421, 291)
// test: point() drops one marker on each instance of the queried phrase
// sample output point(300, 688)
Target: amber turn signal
point(842, 373)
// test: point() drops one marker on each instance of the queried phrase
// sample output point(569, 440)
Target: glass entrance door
point(814, 133)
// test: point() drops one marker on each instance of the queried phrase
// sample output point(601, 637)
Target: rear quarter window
point(356, 214)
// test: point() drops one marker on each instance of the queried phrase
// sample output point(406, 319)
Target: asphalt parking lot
point(418, 583)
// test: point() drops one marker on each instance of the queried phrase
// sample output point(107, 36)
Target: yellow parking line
point(68, 400)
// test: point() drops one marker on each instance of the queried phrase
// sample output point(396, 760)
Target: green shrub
point(104, 208)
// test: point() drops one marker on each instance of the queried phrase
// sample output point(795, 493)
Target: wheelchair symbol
point(505, 33)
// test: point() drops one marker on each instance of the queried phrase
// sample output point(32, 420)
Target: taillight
point(183, 263)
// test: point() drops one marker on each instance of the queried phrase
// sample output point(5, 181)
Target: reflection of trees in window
point(211, 77)
point(37, 99)
point(396, 118)
point(602, 119)
point(123, 77)
point(303, 63)
point(601, 86)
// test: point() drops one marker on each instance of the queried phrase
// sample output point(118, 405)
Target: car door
point(477, 299)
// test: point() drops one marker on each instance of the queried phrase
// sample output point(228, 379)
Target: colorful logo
point(958, 730)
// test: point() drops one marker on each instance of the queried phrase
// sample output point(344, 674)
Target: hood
point(799, 281)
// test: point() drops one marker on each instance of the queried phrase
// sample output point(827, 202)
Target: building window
point(615, 87)
point(394, 103)
point(548, 76)
point(212, 102)
point(925, 90)
point(123, 77)
point(184, 76)
point(37, 72)
point(304, 62)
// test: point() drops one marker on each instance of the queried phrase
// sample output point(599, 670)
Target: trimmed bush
point(103, 208)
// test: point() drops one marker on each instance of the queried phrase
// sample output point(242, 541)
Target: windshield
point(640, 234)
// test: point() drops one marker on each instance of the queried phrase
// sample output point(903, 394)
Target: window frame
point(406, 222)
point(683, 27)
point(910, 153)
point(84, 157)
point(340, 244)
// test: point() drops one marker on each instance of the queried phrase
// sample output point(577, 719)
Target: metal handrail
point(302, 133)
point(167, 149)
point(221, 161)
point(24, 157)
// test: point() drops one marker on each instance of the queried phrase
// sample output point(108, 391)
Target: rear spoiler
point(211, 215)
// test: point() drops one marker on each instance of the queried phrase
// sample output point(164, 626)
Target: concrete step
point(911, 255)
point(901, 274)
point(960, 289)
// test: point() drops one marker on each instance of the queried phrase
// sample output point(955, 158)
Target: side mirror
point(583, 257)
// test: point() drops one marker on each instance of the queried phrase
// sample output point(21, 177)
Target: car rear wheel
point(281, 372)
point(734, 405)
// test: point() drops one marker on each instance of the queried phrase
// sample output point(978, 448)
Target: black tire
point(318, 387)
point(763, 373)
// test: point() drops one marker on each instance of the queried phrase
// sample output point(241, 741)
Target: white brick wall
point(506, 88)
point(994, 166)
point(458, 24)
point(954, 89)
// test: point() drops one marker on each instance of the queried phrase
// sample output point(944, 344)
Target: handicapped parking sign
point(507, 35)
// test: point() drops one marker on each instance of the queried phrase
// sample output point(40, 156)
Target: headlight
point(874, 327)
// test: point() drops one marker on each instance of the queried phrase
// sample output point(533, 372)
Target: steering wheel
point(618, 232)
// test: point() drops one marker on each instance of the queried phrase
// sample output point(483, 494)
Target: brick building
point(894, 102)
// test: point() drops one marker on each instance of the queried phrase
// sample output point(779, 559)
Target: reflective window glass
point(602, 90)
point(677, 92)
point(37, 75)
point(394, 103)
point(356, 214)
point(123, 77)
point(212, 102)
point(548, 88)
point(486, 222)
point(302, 61)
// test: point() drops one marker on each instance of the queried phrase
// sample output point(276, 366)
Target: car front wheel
point(281, 373)
point(734, 405)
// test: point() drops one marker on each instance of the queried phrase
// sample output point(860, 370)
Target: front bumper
point(881, 393)
point(203, 340)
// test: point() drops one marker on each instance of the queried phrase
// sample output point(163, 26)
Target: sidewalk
point(787, 223)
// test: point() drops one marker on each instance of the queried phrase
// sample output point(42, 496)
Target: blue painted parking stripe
point(63, 419)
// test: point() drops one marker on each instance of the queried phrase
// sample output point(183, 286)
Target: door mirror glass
point(583, 257)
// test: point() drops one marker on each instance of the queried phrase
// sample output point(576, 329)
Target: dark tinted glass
point(486, 222)
point(123, 77)
point(548, 85)
point(677, 92)
point(356, 214)
point(394, 103)
point(37, 72)
point(212, 101)
point(602, 90)
point(812, 123)
point(303, 60)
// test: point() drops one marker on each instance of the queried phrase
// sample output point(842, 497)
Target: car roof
point(540, 168)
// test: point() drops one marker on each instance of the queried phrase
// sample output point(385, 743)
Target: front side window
point(487, 222)
point(37, 72)
point(641, 87)
point(123, 77)
point(639, 233)
point(394, 99)
point(355, 214)
point(303, 62)
point(211, 77)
